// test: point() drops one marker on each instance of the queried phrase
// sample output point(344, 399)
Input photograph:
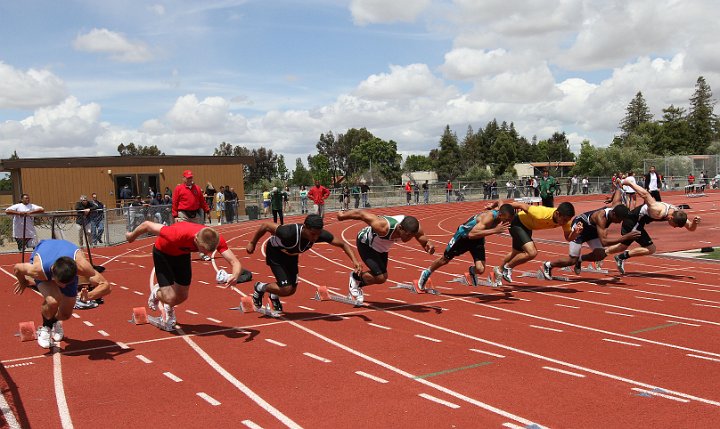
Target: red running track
point(597, 351)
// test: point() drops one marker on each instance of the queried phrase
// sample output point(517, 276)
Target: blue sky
point(81, 77)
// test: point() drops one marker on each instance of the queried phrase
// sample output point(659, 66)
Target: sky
point(78, 78)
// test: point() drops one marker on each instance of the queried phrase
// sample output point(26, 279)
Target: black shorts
point(520, 234)
point(458, 247)
point(170, 270)
point(375, 261)
point(631, 222)
point(283, 266)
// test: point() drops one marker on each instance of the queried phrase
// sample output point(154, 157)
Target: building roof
point(121, 161)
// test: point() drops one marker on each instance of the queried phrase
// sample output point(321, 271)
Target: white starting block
point(533, 201)
point(322, 294)
point(491, 281)
point(414, 288)
point(247, 306)
point(539, 275)
point(140, 317)
point(593, 267)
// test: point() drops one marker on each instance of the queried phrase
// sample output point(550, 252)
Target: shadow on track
point(10, 391)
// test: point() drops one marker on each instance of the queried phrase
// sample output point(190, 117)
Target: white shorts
point(575, 248)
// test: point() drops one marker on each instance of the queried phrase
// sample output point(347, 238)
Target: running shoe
point(204, 257)
point(620, 264)
point(424, 276)
point(84, 305)
point(275, 300)
point(153, 299)
point(577, 268)
point(257, 296)
point(547, 270)
point(43, 337)
point(355, 289)
point(57, 332)
point(473, 276)
point(170, 319)
point(507, 274)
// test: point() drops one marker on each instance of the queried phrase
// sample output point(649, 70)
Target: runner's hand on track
point(696, 220)
point(20, 286)
point(250, 248)
point(429, 248)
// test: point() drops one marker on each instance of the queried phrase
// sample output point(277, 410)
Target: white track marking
point(251, 424)
point(191, 312)
point(649, 299)
point(567, 306)
point(306, 308)
point(213, 320)
point(103, 333)
point(138, 293)
point(316, 357)
point(387, 328)
point(619, 314)
point(88, 323)
point(683, 323)
point(203, 282)
point(439, 401)
point(662, 395)
point(396, 300)
point(485, 317)
point(124, 288)
point(574, 374)
point(546, 328)
point(709, 290)
point(172, 377)
point(75, 315)
point(277, 343)
point(371, 377)
point(122, 345)
point(210, 400)
point(597, 292)
point(143, 359)
point(487, 353)
point(706, 305)
point(434, 340)
point(703, 357)
point(63, 409)
point(621, 342)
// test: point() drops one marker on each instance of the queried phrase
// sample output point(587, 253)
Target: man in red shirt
point(318, 194)
point(188, 200)
point(448, 191)
point(171, 256)
point(408, 192)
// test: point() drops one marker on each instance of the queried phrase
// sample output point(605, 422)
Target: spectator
point(547, 187)
point(364, 191)
point(355, 191)
point(125, 194)
point(266, 203)
point(426, 192)
point(23, 224)
point(276, 203)
point(653, 183)
point(168, 192)
point(494, 189)
point(82, 218)
point(416, 192)
point(585, 185)
point(630, 191)
point(318, 194)
point(209, 199)
point(166, 203)
point(220, 205)
point(231, 201)
point(286, 200)
point(188, 201)
point(136, 213)
point(448, 191)
point(574, 184)
point(510, 185)
point(97, 217)
point(345, 198)
point(535, 186)
point(303, 199)
point(408, 192)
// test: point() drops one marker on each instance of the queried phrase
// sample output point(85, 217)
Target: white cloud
point(189, 113)
point(30, 89)
point(382, 11)
point(403, 82)
point(104, 41)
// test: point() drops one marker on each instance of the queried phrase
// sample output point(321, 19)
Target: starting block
point(492, 280)
point(322, 294)
point(26, 331)
point(247, 306)
point(140, 317)
point(414, 288)
point(539, 275)
point(593, 267)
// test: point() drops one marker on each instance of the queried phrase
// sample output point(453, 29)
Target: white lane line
point(574, 374)
point(251, 424)
point(371, 377)
point(191, 312)
point(649, 299)
point(703, 357)
point(213, 320)
point(619, 314)
point(122, 345)
point(306, 308)
point(124, 288)
point(19, 364)
point(203, 282)
point(333, 288)
point(710, 290)
point(396, 300)
point(684, 323)
point(566, 306)
point(88, 323)
point(138, 293)
point(522, 299)
point(439, 401)
point(487, 353)
point(143, 359)
point(103, 333)
point(75, 315)
point(434, 340)
point(513, 426)
point(655, 284)
point(210, 400)
point(379, 326)
point(621, 342)
point(141, 266)
point(63, 409)
point(658, 393)
point(707, 305)
point(172, 377)
point(485, 317)
point(277, 343)
point(316, 357)
point(597, 292)
point(546, 328)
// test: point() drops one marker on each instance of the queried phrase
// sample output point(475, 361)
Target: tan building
point(57, 183)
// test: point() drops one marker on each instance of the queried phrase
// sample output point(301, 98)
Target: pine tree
point(636, 113)
point(701, 117)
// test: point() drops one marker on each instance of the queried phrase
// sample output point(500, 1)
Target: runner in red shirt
point(171, 256)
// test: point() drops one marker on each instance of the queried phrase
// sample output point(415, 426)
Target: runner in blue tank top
point(54, 267)
point(470, 237)
point(374, 242)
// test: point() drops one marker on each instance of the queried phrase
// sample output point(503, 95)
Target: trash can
point(253, 212)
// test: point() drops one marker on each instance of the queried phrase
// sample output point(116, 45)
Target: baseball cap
point(187, 173)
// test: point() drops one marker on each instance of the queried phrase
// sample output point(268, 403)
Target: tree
point(282, 170)
point(417, 163)
point(380, 156)
point(701, 117)
point(301, 175)
point(352, 138)
point(636, 113)
point(14, 155)
point(320, 169)
point(675, 134)
point(449, 165)
point(139, 150)
point(265, 166)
